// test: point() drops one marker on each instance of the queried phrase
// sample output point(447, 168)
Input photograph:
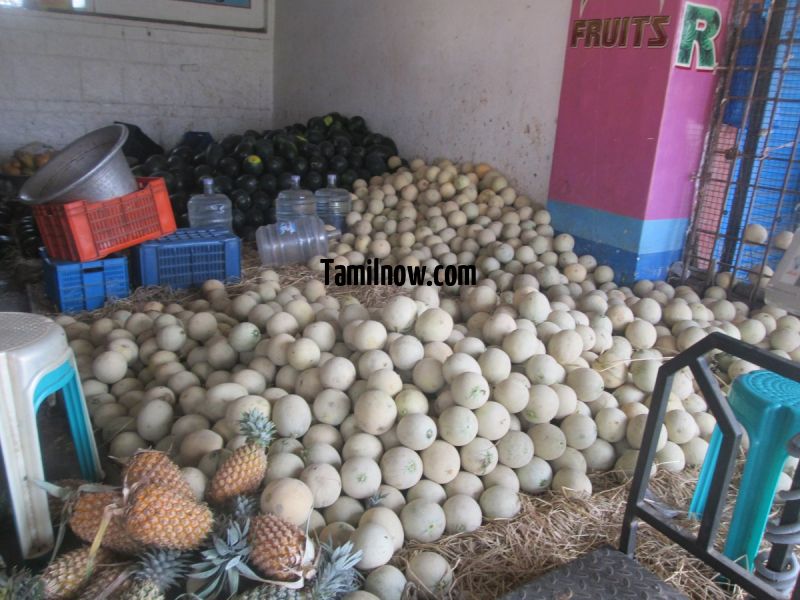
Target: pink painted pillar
point(636, 101)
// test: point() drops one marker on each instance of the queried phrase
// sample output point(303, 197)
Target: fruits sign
point(618, 32)
point(699, 30)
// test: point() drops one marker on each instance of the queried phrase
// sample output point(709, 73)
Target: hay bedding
point(551, 530)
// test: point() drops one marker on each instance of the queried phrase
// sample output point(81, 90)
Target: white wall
point(465, 79)
point(63, 75)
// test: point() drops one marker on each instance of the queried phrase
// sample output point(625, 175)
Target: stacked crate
point(83, 242)
point(187, 258)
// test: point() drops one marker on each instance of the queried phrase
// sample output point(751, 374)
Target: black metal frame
point(737, 175)
point(763, 80)
point(702, 545)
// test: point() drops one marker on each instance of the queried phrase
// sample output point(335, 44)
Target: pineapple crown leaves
point(257, 428)
point(68, 492)
point(238, 510)
point(68, 495)
point(244, 507)
point(225, 562)
point(19, 584)
point(336, 572)
point(165, 568)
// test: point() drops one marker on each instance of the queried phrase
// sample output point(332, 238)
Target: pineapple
point(104, 579)
point(225, 561)
point(336, 576)
point(273, 592)
point(140, 590)
point(87, 514)
point(244, 470)
point(152, 466)
point(64, 578)
point(147, 579)
point(155, 572)
point(164, 518)
point(57, 503)
point(19, 585)
point(279, 549)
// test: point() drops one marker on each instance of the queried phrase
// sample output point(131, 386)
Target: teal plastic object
point(768, 407)
point(65, 379)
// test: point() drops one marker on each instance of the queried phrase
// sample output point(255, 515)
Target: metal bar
point(637, 508)
point(713, 141)
point(792, 158)
point(778, 208)
point(753, 183)
point(779, 555)
point(754, 117)
point(775, 98)
point(744, 17)
point(742, 577)
point(765, 188)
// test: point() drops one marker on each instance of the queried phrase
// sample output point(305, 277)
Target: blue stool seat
point(35, 363)
point(768, 407)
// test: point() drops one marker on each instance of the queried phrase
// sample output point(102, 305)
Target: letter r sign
point(701, 26)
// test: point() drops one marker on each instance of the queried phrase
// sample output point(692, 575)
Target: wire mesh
point(751, 171)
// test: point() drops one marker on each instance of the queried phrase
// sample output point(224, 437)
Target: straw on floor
point(550, 531)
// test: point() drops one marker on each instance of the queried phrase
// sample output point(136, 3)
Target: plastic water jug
point(294, 242)
point(294, 202)
point(210, 210)
point(333, 204)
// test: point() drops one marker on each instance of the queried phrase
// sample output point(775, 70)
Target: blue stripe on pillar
point(619, 231)
point(629, 267)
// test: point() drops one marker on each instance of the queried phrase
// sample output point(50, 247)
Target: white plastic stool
point(36, 362)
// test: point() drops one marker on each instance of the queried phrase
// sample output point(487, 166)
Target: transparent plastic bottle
point(210, 210)
point(294, 202)
point(294, 242)
point(333, 204)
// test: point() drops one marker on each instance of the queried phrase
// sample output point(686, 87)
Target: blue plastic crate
point(76, 286)
point(187, 258)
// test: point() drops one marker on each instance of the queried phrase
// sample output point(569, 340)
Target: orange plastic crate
point(83, 231)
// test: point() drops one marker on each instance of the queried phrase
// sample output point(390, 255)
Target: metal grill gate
point(751, 170)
